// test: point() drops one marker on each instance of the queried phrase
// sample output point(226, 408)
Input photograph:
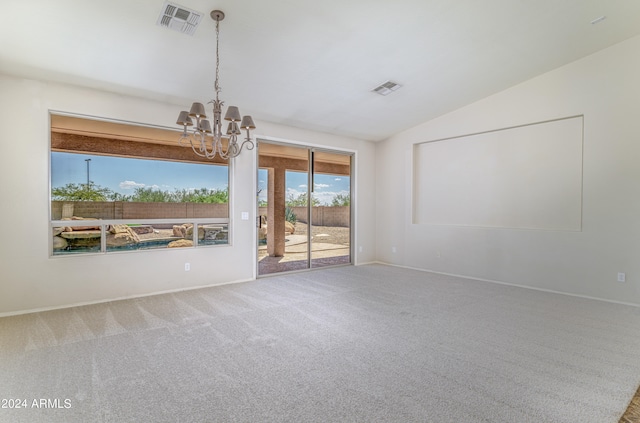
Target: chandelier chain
point(217, 85)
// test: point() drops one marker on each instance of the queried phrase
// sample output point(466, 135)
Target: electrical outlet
point(187, 267)
point(622, 277)
point(394, 249)
point(360, 249)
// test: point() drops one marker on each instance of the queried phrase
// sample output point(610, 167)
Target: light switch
point(245, 216)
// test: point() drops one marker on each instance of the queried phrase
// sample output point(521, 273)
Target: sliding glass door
point(304, 208)
point(330, 209)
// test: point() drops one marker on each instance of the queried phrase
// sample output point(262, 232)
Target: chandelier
point(206, 137)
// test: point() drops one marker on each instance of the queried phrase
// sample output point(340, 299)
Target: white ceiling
point(312, 63)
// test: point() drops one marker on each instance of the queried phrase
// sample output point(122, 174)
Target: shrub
point(290, 216)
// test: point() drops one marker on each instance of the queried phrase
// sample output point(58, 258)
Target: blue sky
point(123, 175)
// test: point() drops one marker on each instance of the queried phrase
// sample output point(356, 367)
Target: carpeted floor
point(355, 344)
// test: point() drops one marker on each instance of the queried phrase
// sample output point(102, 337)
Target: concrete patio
point(330, 246)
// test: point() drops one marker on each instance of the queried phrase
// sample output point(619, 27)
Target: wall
point(339, 216)
point(503, 179)
point(605, 89)
point(135, 210)
point(30, 279)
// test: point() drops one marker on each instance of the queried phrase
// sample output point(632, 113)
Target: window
point(120, 187)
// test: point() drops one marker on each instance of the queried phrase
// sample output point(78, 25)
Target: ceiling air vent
point(179, 18)
point(386, 88)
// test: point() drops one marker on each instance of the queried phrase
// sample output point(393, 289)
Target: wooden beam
point(300, 165)
point(113, 147)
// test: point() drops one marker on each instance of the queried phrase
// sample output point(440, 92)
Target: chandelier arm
point(250, 144)
point(233, 149)
point(211, 155)
point(186, 137)
point(223, 155)
point(203, 146)
point(193, 147)
point(248, 140)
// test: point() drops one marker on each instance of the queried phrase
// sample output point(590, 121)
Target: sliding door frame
point(311, 149)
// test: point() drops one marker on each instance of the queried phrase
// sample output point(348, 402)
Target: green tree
point(203, 195)
point(261, 202)
point(301, 200)
point(116, 196)
point(341, 200)
point(81, 192)
point(150, 195)
point(93, 192)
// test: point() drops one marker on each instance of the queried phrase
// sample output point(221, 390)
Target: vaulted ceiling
point(312, 64)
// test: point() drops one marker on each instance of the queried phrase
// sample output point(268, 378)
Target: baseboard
point(368, 262)
point(130, 297)
point(587, 297)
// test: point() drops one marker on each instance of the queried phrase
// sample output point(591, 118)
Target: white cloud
point(294, 192)
point(338, 179)
point(302, 186)
point(326, 197)
point(320, 186)
point(130, 185)
point(134, 185)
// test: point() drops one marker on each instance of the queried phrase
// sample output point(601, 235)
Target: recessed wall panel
point(526, 177)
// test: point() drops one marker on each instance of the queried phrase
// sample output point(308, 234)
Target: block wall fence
point(131, 210)
point(122, 210)
point(339, 216)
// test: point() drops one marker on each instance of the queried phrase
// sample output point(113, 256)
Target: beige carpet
point(355, 344)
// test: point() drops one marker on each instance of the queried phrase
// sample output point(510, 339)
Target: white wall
point(527, 177)
point(30, 279)
point(605, 88)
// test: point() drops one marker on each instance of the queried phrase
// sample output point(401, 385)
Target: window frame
point(105, 223)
